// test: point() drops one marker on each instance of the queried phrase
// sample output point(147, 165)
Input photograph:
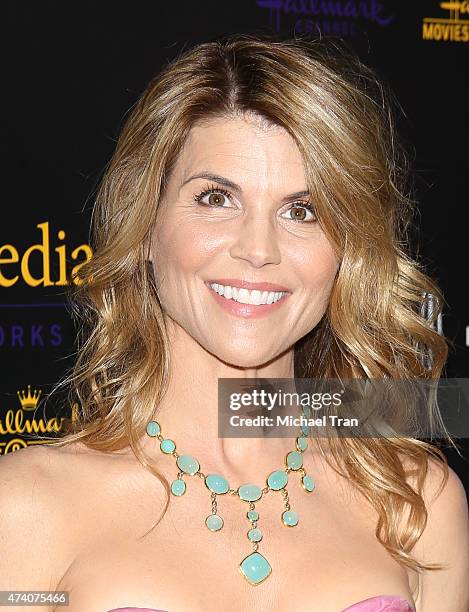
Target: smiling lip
point(236, 282)
point(248, 311)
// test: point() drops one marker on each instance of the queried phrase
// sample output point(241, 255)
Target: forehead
point(242, 145)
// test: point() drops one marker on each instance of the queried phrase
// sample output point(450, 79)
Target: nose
point(256, 242)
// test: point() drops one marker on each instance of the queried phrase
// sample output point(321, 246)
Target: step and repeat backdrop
point(74, 70)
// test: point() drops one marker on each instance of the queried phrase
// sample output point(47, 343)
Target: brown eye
point(302, 213)
point(299, 214)
point(216, 199)
point(213, 197)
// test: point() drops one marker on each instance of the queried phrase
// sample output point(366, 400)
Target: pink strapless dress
point(380, 603)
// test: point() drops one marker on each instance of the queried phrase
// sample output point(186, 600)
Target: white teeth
point(256, 296)
point(244, 296)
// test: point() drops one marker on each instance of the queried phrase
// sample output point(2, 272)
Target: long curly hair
point(342, 117)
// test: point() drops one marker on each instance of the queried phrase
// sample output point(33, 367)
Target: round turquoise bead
point(188, 464)
point(294, 460)
point(249, 492)
point(290, 518)
point(214, 522)
point(301, 443)
point(167, 445)
point(217, 484)
point(253, 515)
point(255, 535)
point(306, 430)
point(277, 480)
point(308, 483)
point(178, 487)
point(153, 429)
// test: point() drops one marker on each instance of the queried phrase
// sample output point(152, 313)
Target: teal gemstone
point(277, 480)
point(308, 483)
point(253, 515)
point(178, 487)
point(249, 492)
point(188, 464)
point(167, 445)
point(153, 429)
point(214, 522)
point(255, 568)
point(301, 443)
point(290, 518)
point(217, 484)
point(306, 430)
point(294, 460)
point(307, 411)
point(255, 535)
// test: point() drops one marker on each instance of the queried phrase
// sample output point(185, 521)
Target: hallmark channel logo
point(29, 402)
point(321, 17)
point(21, 424)
point(450, 27)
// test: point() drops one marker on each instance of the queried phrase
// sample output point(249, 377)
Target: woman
point(269, 166)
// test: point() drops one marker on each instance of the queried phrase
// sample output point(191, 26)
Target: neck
point(188, 413)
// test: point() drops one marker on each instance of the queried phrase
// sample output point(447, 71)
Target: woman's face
point(253, 228)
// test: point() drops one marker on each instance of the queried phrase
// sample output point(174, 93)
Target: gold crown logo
point(29, 402)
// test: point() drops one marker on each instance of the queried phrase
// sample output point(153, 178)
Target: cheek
point(316, 265)
point(179, 249)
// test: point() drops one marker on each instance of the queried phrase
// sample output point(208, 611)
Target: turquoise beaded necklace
point(254, 567)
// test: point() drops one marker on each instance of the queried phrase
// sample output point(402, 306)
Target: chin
point(245, 359)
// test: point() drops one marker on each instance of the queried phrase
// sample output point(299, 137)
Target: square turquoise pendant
point(255, 568)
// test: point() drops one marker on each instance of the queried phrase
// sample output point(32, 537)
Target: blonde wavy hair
point(341, 117)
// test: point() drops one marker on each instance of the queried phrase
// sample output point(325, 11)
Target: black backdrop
point(74, 70)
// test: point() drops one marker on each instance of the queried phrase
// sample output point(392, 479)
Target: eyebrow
point(235, 187)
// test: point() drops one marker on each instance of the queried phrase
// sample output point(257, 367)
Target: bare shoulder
point(445, 541)
point(20, 471)
point(31, 455)
point(33, 526)
point(39, 464)
point(453, 489)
